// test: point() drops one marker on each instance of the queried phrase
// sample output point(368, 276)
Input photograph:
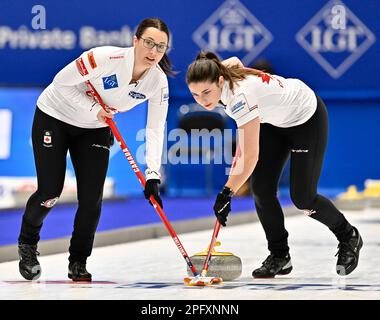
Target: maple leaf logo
point(265, 77)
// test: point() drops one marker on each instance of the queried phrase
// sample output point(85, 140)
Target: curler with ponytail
point(207, 67)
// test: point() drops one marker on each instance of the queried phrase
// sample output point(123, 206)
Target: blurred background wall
point(331, 45)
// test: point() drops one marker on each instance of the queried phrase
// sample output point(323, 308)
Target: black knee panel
point(303, 202)
point(263, 194)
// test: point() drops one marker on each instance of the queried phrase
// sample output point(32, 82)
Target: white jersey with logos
point(275, 100)
point(109, 69)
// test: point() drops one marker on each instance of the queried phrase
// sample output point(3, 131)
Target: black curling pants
point(89, 151)
point(306, 145)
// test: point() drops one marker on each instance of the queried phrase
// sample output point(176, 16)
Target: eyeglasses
point(150, 44)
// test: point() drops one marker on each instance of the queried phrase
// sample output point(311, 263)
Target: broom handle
point(141, 178)
point(217, 225)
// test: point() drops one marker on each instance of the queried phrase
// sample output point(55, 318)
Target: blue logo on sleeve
point(110, 82)
point(164, 94)
point(237, 107)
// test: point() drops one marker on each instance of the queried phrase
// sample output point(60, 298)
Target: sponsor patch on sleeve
point(81, 67)
point(251, 108)
point(164, 94)
point(242, 107)
point(239, 105)
point(91, 59)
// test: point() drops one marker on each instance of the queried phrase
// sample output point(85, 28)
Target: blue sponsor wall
point(20, 163)
point(332, 45)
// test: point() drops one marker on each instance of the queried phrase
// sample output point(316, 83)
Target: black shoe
point(78, 272)
point(29, 266)
point(348, 254)
point(273, 266)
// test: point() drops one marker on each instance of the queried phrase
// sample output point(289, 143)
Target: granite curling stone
point(223, 264)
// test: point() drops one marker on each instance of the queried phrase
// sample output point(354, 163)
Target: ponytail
point(207, 67)
point(166, 66)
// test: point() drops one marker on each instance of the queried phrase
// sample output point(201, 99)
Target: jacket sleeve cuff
point(96, 107)
point(149, 174)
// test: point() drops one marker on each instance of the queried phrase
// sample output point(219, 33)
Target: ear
point(135, 41)
point(221, 81)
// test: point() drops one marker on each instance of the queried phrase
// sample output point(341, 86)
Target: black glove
point(151, 189)
point(222, 206)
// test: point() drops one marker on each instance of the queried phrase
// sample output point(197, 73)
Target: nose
point(153, 50)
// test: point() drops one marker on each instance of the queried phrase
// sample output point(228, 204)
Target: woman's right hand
point(233, 61)
point(103, 115)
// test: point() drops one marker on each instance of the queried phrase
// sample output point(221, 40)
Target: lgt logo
point(110, 82)
point(232, 29)
point(335, 38)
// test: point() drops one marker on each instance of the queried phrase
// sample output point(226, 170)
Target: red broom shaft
point(217, 223)
point(212, 245)
point(141, 178)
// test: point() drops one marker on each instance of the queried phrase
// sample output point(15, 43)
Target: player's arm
point(244, 110)
point(157, 113)
point(249, 147)
point(155, 130)
point(86, 67)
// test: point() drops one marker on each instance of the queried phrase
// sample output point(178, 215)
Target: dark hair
point(157, 23)
point(208, 67)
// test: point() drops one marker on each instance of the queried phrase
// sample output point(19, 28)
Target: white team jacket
point(276, 100)
point(109, 69)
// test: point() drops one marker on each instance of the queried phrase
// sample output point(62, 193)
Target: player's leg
point(90, 156)
point(274, 151)
point(50, 147)
point(308, 148)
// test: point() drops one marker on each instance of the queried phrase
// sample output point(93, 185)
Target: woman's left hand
point(103, 115)
point(151, 189)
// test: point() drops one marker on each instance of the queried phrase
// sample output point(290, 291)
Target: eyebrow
point(201, 91)
point(162, 42)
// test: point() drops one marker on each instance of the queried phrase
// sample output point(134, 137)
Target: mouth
point(208, 105)
point(151, 60)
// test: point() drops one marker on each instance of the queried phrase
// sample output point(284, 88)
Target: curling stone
point(372, 193)
point(223, 264)
point(351, 199)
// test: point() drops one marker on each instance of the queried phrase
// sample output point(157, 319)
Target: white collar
point(225, 93)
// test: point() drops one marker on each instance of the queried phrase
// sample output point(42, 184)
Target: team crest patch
point(110, 82)
point(47, 140)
